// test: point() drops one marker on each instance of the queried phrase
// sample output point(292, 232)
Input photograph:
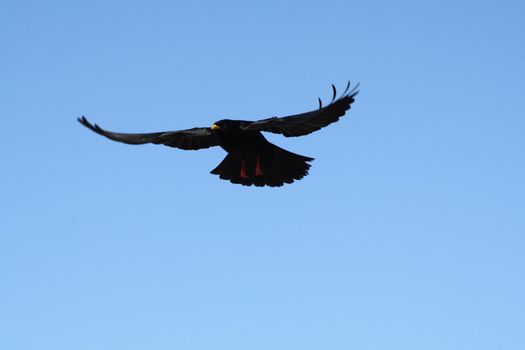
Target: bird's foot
point(243, 170)
point(258, 168)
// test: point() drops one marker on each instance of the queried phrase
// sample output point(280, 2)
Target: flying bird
point(251, 159)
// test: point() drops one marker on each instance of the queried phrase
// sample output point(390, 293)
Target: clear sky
point(408, 233)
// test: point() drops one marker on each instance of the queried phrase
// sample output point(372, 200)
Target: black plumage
point(251, 159)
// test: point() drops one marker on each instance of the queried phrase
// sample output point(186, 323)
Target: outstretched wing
point(190, 139)
point(305, 123)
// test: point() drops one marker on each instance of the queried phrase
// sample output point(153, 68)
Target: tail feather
point(279, 166)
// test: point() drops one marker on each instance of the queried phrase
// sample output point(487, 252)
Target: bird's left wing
point(305, 123)
point(190, 139)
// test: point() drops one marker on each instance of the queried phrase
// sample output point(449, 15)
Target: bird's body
point(251, 159)
point(233, 139)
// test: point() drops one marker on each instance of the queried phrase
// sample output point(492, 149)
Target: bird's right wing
point(190, 139)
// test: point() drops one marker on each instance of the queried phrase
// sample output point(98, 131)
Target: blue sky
point(407, 234)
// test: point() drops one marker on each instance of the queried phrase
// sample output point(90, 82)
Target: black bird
point(251, 159)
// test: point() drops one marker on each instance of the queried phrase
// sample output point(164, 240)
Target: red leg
point(258, 168)
point(243, 169)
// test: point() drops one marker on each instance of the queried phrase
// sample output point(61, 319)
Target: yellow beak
point(215, 127)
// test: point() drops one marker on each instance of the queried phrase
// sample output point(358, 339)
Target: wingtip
point(83, 120)
point(347, 87)
point(355, 90)
point(94, 127)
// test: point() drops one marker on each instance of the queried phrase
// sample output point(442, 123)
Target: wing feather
point(190, 139)
point(306, 123)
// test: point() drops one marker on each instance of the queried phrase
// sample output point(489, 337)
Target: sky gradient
point(407, 234)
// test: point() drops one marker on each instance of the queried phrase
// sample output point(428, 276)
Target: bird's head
point(225, 125)
point(216, 126)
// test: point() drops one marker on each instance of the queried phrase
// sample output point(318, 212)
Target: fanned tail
point(276, 168)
